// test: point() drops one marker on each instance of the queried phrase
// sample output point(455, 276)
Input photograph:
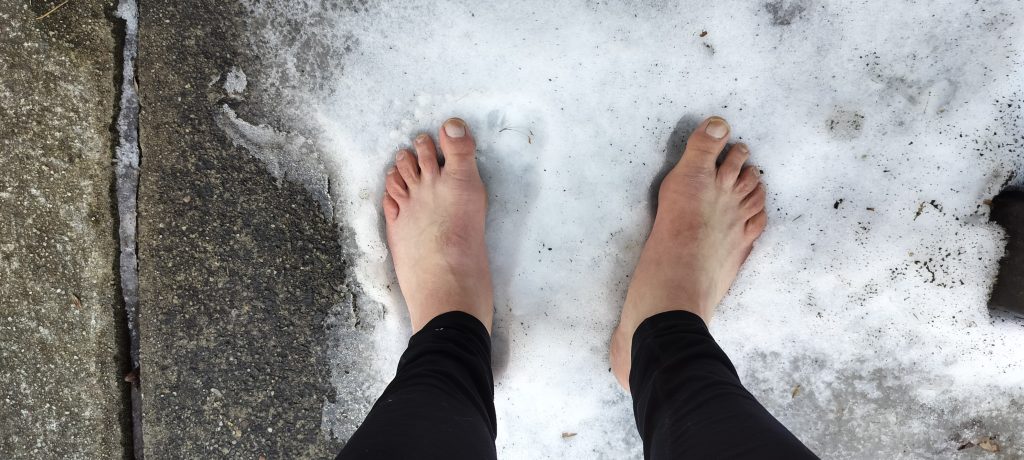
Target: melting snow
point(881, 128)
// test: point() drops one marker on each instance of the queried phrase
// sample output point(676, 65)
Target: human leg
point(440, 404)
point(441, 401)
point(687, 397)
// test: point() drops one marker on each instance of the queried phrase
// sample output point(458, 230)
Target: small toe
point(706, 143)
point(756, 224)
point(754, 203)
point(427, 155)
point(395, 185)
point(729, 170)
point(458, 146)
point(748, 180)
point(407, 167)
point(390, 208)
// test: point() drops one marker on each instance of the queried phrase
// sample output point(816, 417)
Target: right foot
point(435, 228)
point(708, 218)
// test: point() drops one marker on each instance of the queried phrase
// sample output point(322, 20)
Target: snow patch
point(288, 156)
point(127, 172)
point(235, 82)
point(881, 130)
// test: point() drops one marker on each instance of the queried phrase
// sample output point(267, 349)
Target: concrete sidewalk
point(62, 326)
point(239, 269)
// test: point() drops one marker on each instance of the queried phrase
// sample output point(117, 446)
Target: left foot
point(435, 228)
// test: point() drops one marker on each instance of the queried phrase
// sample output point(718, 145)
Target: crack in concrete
point(127, 177)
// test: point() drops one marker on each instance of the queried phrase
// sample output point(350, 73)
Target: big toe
point(706, 143)
point(458, 146)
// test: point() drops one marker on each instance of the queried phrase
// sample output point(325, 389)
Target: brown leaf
point(796, 390)
point(568, 434)
point(988, 444)
point(703, 33)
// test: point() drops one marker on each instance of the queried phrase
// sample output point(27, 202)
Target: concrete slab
point(238, 269)
point(62, 393)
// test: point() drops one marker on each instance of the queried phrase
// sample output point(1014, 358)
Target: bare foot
point(435, 228)
point(708, 218)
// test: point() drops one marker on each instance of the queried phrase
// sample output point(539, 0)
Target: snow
point(235, 82)
point(286, 155)
point(127, 170)
point(881, 128)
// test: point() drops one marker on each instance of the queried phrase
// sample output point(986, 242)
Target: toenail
point(743, 148)
point(717, 128)
point(455, 128)
point(421, 138)
point(392, 170)
point(401, 155)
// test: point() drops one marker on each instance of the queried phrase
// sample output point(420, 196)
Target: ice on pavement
point(882, 127)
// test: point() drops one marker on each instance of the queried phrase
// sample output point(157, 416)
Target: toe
point(706, 143)
point(427, 155)
point(395, 185)
point(756, 224)
point(748, 180)
point(407, 167)
point(458, 146)
point(729, 170)
point(390, 208)
point(754, 203)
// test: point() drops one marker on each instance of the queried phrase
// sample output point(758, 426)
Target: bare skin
point(707, 220)
point(435, 227)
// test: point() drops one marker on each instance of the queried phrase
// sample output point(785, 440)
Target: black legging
point(687, 398)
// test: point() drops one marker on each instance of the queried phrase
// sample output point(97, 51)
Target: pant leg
point(689, 402)
point(440, 404)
